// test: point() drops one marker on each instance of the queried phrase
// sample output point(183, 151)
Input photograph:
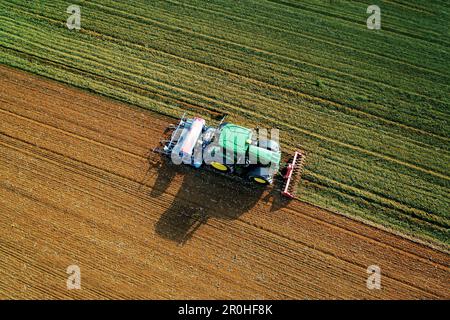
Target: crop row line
point(382, 200)
point(315, 37)
point(257, 50)
point(346, 19)
point(313, 98)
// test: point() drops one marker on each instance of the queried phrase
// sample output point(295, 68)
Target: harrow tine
point(174, 136)
point(293, 174)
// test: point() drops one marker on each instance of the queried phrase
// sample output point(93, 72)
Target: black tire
point(227, 168)
point(261, 175)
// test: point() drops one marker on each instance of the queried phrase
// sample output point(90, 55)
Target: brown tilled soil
point(77, 187)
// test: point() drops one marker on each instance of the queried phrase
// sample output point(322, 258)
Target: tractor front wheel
point(260, 175)
point(260, 180)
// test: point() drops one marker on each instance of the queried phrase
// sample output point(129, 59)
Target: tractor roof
point(234, 137)
point(237, 138)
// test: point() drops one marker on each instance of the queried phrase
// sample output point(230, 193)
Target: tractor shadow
point(201, 196)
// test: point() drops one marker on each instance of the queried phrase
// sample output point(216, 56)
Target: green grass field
point(371, 107)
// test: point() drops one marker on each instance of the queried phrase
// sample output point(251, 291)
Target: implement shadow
point(202, 195)
point(275, 198)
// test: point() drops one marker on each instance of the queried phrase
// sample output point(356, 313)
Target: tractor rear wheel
point(220, 166)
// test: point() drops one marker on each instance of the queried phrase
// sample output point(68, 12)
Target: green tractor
point(231, 149)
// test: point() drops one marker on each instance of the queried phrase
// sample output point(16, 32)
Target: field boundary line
point(98, 143)
point(332, 140)
point(370, 239)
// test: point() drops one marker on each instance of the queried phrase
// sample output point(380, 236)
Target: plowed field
point(77, 186)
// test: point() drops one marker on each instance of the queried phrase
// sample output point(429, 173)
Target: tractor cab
point(241, 152)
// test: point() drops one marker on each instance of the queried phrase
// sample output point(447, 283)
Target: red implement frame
point(294, 167)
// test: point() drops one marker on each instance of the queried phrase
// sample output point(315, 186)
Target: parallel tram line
point(351, 109)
